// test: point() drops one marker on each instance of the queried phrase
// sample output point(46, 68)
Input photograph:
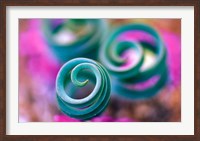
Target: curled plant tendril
point(82, 37)
point(125, 78)
point(92, 105)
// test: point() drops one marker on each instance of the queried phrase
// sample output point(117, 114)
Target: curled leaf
point(96, 102)
point(127, 73)
point(71, 38)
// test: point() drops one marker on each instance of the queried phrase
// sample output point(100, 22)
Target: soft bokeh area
point(39, 64)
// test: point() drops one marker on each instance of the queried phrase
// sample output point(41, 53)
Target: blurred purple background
point(38, 69)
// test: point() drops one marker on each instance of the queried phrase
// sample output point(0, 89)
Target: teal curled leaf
point(124, 79)
point(91, 105)
point(72, 38)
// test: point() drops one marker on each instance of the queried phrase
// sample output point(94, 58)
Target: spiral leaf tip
point(117, 52)
point(93, 104)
